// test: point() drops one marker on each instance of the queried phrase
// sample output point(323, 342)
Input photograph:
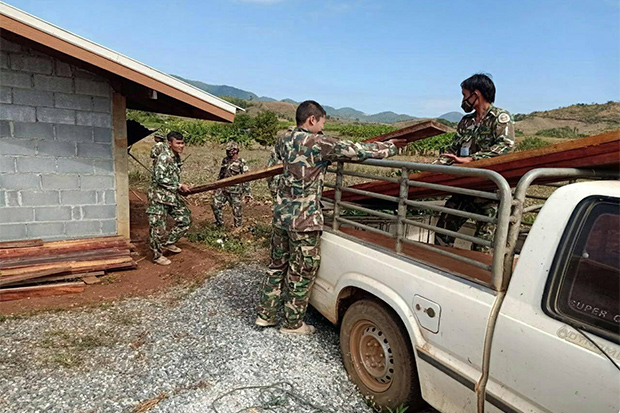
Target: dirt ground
point(191, 267)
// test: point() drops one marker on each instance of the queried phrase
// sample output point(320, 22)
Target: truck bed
point(431, 258)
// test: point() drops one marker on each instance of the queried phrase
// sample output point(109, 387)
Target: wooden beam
point(33, 275)
point(18, 293)
point(238, 179)
point(21, 244)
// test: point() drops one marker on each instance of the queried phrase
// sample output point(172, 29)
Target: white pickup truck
point(529, 330)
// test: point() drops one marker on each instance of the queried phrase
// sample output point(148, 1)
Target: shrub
point(563, 132)
point(428, 146)
point(264, 128)
point(533, 142)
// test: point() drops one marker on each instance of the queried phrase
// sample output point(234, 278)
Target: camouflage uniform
point(298, 219)
point(158, 149)
point(273, 181)
point(232, 194)
point(164, 199)
point(493, 136)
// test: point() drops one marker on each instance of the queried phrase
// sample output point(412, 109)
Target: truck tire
point(378, 356)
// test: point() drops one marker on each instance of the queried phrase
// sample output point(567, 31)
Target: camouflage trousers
point(219, 200)
point(481, 206)
point(295, 260)
point(157, 225)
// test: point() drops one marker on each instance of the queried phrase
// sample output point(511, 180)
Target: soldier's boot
point(261, 322)
point(162, 261)
point(304, 329)
point(173, 248)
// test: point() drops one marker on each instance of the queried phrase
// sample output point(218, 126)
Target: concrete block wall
point(56, 148)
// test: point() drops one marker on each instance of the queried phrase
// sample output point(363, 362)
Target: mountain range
point(345, 113)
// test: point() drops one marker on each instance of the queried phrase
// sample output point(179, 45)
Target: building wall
point(56, 148)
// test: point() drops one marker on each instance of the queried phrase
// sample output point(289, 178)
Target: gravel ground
point(178, 352)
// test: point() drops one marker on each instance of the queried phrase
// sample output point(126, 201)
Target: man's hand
point(457, 159)
point(400, 143)
point(184, 188)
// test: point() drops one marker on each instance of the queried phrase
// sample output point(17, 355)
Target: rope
point(271, 396)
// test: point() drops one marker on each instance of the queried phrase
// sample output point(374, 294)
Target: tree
point(265, 128)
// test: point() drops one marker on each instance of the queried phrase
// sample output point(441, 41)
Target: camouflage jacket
point(305, 157)
point(494, 135)
point(232, 168)
point(157, 149)
point(166, 178)
point(273, 181)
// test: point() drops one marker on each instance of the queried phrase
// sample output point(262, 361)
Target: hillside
point(587, 119)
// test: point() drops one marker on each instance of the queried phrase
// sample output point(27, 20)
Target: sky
point(405, 56)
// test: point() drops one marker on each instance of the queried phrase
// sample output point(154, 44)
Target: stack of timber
point(34, 268)
point(595, 152)
point(413, 133)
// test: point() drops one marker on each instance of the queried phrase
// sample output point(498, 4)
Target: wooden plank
point(55, 278)
point(596, 151)
point(46, 290)
point(57, 249)
point(34, 274)
point(77, 256)
point(21, 244)
point(415, 132)
point(412, 133)
point(239, 179)
point(75, 266)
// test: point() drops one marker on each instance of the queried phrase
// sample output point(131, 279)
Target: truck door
point(558, 333)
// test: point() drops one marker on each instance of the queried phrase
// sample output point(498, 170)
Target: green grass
point(563, 132)
point(532, 142)
point(217, 238)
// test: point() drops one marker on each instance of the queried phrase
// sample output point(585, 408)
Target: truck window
point(584, 285)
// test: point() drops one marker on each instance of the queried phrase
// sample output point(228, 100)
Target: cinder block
point(46, 230)
point(10, 146)
point(5, 129)
point(20, 214)
point(96, 182)
point(54, 213)
point(81, 102)
point(17, 113)
point(33, 97)
point(108, 227)
point(40, 198)
point(78, 197)
point(9, 46)
point(53, 83)
point(33, 130)
point(4, 60)
point(104, 167)
point(15, 79)
point(79, 228)
point(76, 213)
point(58, 181)
point(101, 120)
point(102, 105)
point(34, 64)
point(110, 197)
point(62, 69)
point(55, 148)
point(12, 232)
point(85, 74)
point(54, 115)
point(36, 164)
point(7, 164)
point(103, 135)
point(2, 200)
point(74, 133)
point(20, 181)
point(99, 211)
point(6, 95)
point(75, 165)
point(92, 87)
point(12, 199)
point(94, 150)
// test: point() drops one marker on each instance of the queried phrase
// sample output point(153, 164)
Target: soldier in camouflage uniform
point(232, 165)
point(164, 198)
point(298, 219)
point(159, 147)
point(486, 133)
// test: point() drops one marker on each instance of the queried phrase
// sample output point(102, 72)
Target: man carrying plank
point(297, 219)
point(485, 133)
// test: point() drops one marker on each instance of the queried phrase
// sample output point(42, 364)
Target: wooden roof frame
point(134, 79)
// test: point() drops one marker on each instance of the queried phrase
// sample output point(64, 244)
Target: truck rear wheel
point(378, 356)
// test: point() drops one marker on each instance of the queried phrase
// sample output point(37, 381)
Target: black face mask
point(466, 106)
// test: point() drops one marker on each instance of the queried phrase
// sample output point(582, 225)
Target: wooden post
point(119, 131)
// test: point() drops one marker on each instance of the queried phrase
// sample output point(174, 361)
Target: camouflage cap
point(159, 136)
point(232, 145)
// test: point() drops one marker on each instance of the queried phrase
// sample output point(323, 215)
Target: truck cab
point(533, 327)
